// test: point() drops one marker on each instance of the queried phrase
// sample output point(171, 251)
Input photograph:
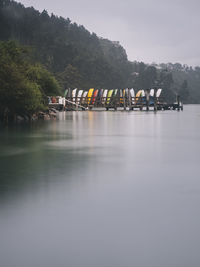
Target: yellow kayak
point(124, 92)
point(90, 93)
point(138, 95)
point(121, 96)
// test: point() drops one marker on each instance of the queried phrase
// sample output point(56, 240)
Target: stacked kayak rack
point(127, 99)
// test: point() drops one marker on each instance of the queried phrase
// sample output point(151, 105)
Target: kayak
point(139, 93)
point(110, 92)
point(84, 97)
point(121, 96)
point(94, 96)
point(105, 92)
point(138, 96)
point(66, 93)
point(79, 95)
point(158, 93)
point(100, 93)
point(115, 92)
point(124, 92)
point(74, 94)
point(90, 93)
point(132, 94)
point(152, 92)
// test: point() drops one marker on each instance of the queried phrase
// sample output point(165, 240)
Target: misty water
point(102, 189)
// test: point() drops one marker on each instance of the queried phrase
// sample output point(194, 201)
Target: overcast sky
point(150, 30)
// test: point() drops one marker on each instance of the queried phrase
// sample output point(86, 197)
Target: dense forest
point(75, 58)
point(23, 85)
point(186, 81)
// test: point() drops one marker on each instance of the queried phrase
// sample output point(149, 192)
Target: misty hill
point(80, 59)
point(186, 81)
point(64, 47)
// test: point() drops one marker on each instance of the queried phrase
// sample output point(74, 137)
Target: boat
point(99, 97)
point(158, 93)
point(124, 92)
point(121, 96)
point(100, 93)
point(84, 97)
point(139, 96)
point(151, 97)
point(143, 93)
point(94, 96)
point(105, 92)
point(66, 93)
point(74, 94)
point(152, 92)
point(79, 95)
point(115, 92)
point(90, 93)
point(108, 100)
point(132, 94)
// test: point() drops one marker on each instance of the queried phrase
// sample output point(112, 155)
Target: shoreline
point(49, 114)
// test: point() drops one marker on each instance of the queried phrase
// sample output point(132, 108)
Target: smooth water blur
point(102, 189)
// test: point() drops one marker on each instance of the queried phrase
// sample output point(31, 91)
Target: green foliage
point(184, 92)
point(165, 81)
point(146, 78)
point(17, 93)
point(47, 83)
point(21, 93)
point(70, 78)
point(186, 81)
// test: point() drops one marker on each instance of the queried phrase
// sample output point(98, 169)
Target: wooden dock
point(57, 106)
point(122, 103)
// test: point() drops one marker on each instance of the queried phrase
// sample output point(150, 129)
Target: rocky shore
point(49, 114)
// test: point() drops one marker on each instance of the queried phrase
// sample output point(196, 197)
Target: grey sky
point(149, 30)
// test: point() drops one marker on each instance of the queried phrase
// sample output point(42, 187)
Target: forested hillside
point(80, 59)
point(68, 50)
point(186, 81)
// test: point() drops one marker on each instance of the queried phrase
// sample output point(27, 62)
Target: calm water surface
point(102, 189)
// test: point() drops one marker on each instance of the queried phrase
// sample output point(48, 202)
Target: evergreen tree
point(184, 93)
point(24, 86)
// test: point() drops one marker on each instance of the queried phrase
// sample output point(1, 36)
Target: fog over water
point(102, 189)
point(150, 30)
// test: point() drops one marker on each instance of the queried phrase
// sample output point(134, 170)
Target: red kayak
point(94, 96)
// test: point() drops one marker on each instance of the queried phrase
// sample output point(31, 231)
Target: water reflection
point(101, 189)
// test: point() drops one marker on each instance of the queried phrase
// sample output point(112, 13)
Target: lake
point(102, 189)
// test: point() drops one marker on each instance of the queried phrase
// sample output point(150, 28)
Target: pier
point(122, 100)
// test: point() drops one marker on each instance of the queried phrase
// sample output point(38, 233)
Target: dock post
point(147, 93)
point(178, 101)
point(124, 99)
point(129, 99)
point(155, 99)
point(70, 98)
point(76, 101)
point(115, 102)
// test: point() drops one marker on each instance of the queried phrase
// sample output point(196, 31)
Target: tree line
point(75, 58)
